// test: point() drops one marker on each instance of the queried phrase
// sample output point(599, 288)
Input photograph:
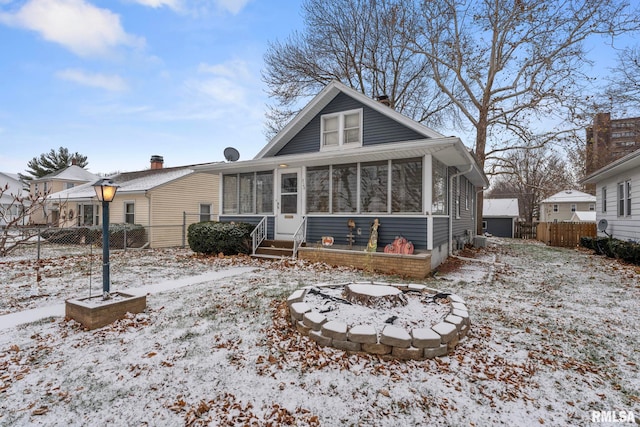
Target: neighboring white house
point(561, 206)
point(618, 196)
point(499, 217)
point(15, 187)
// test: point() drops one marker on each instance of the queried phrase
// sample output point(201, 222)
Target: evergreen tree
point(53, 161)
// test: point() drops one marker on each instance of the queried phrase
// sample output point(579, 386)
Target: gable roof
point(321, 100)
point(583, 216)
point(570, 196)
point(448, 150)
point(493, 208)
point(70, 173)
point(623, 164)
point(128, 182)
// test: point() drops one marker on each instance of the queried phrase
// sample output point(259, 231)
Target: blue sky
point(121, 80)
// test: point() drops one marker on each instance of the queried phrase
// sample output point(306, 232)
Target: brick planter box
point(415, 265)
point(94, 312)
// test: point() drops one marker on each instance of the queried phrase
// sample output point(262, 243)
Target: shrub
point(212, 237)
point(614, 248)
point(586, 242)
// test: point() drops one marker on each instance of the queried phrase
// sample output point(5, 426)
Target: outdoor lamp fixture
point(106, 191)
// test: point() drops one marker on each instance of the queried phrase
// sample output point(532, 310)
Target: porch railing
point(300, 236)
point(258, 234)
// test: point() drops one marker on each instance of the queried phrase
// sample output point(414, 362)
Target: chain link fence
point(27, 243)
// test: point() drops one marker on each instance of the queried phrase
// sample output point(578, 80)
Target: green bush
point(212, 237)
point(586, 242)
point(613, 248)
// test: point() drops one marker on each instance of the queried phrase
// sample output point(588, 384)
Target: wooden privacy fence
point(566, 234)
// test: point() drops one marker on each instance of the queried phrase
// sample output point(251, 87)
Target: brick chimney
point(156, 162)
point(384, 99)
point(74, 161)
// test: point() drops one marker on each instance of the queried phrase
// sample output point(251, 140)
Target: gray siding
point(465, 222)
point(499, 227)
point(413, 229)
point(377, 128)
point(440, 231)
point(251, 220)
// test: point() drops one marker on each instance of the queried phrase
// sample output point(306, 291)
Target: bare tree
point(624, 88)
point(13, 216)
point(530, 175)
point(361, 43)
point(507, 64)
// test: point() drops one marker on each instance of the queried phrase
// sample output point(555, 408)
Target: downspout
point(451, 213)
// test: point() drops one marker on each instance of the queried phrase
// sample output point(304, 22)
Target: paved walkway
point(57, 310)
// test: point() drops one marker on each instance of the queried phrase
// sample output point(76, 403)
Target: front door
point(289, 205)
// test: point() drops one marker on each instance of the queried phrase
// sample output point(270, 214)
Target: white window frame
point(604, 199)
point(624, 198)
point(202, 214)
point(341, 130)
point(556, 208)
point(125, 213)
point(627, 195)
point(574, 207)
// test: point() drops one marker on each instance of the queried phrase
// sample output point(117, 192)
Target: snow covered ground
point(554, 337)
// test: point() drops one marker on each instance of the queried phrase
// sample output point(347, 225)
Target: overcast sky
point(121, 80)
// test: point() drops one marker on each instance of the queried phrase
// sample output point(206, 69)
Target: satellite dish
point(602, 225)
point(231, 154)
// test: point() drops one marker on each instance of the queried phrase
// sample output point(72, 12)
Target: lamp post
point(106, 191)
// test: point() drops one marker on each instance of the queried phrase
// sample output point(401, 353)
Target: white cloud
point(112, 83)
point(232, 6)
point(156, 4)
point(233, 69)
point(79, 26)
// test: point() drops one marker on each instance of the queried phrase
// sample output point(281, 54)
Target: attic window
point(341, 130)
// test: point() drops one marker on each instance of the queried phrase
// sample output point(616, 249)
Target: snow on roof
point(583, 216)
point(15, 186)
point(129, 182)
point(71, 173)
point(570, 196)
point(500, 208)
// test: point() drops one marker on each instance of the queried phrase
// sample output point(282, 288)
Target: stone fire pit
point(393, 320)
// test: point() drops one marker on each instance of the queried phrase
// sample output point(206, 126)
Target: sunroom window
point(247, 193)
point(341, 129)
point(406, 177)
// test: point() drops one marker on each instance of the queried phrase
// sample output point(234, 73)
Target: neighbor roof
point(571, 196)
point(584, 216)
point(623, 164)
point(506, 208)
point(71, 173)
point(128, 182)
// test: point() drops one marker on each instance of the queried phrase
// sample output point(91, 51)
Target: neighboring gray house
point(499, 217)
point(348, 157)
point(618, 196)
point(15, 187)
